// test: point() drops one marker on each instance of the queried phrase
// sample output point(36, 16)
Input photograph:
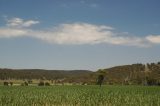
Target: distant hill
point(43, 74)
point(127, 74)
point(132, 74)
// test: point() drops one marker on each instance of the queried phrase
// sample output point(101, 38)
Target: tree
point(100, 80)
point(5, 83)
point(11, 83)
point(47, 84)
point(41, 83)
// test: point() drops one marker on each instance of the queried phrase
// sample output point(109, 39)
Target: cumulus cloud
point(18, 22)
point(75, 33)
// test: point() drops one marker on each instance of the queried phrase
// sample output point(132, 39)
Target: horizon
point(74, 69)
point(78, 34)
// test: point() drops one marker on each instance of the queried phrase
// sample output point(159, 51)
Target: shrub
point(41, 83)
point(11, 83)
point(30, 81)
point(47, 84)
point(24, 84)
point(151, 82)
point(5, 83)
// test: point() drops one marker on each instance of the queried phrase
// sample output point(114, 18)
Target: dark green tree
point(5, 83)
point(100, 80)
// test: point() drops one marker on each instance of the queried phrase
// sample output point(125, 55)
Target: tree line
point(138, 74)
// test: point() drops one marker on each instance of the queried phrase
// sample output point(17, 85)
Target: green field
point(79, 96)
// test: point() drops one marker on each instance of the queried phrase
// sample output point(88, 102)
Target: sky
point(78, 34)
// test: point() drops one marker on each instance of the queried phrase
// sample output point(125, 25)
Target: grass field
point(79, 96)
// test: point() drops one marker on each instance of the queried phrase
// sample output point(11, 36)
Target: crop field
point(79, 96)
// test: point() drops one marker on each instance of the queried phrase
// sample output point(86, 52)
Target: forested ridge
point(133, 74)
point(141, 74)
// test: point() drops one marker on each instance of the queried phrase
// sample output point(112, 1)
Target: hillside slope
point(126, 74)
point(133, 74)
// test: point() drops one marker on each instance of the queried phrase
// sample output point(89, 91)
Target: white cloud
point(75, 33)
point(9, 32)
point(154, 38)
point(83, 33)
point(18, 22)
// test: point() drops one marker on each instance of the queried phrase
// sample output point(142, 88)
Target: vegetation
point(54, 76)
point(100, 80)
point(135, 74)
point(80, 96)
point(24, 84)
point(47, 84)
point(83, 91)
point(41, 83)
point(5, 83)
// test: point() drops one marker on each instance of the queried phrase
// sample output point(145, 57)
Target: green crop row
point(79, 96)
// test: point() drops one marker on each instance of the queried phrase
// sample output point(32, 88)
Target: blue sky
point(78, 34)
